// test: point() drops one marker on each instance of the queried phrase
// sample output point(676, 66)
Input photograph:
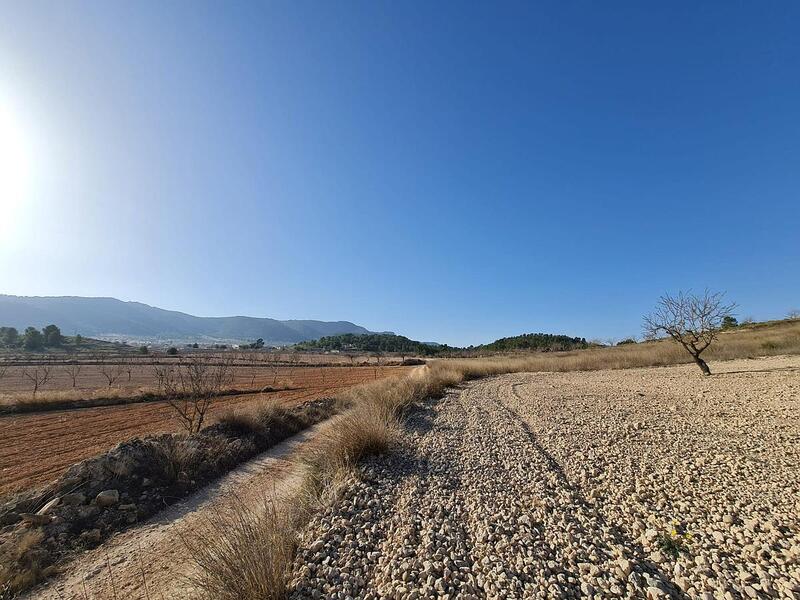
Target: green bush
point(34, 340)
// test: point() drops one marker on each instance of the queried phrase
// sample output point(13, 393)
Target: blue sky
point(451, 171)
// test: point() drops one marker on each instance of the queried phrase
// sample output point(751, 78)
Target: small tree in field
point(691, 320)
point(37, 376)
point(378, 361)
point(73, 370)
point(192, 387)
point(110, 370)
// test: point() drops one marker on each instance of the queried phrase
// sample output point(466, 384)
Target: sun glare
point(15, 162)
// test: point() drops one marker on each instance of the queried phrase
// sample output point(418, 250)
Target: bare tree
point(165, 376)
point(192, 389)
point(111, 370)
point(73, 369)
point(378, 360)
point(3, 371)
point(273, 362)
point(127, 367)
point(294, 359)
point(38, 377)
point(691, 320)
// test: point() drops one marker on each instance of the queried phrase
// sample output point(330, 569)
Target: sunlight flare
point(15, 161)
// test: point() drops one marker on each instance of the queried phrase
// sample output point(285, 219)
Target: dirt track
point(571, 485)
point(37, 447)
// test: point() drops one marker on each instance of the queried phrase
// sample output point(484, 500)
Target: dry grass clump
point(362, 431)
point(20, 567)
point(256, 420)
point(243, 553)
point(174, 458)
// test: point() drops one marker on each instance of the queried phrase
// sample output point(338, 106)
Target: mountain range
point(109, 318)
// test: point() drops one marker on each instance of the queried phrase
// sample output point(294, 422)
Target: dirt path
point(150, 560)
point(645, 483)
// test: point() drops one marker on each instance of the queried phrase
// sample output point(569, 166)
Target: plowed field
point(36, 447)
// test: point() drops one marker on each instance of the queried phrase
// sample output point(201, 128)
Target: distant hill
point(112, 318)
point(546, 342)
point(373, 342)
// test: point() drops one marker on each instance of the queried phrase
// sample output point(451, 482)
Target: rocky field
point(643, 483)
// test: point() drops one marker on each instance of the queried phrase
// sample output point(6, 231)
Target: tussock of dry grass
point(366, 430)
point(243, 554)
point(255, 420)
point(174, 457)
point(19, 565)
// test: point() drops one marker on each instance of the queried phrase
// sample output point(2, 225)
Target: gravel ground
point(643, 483)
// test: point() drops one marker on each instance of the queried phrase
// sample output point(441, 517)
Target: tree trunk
point(702, 364)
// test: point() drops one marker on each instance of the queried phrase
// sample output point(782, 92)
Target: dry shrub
point(242, 553)
point(364, 430)
point(268, 418)
point(240, 420)
point(20, 567)
point(174, 457)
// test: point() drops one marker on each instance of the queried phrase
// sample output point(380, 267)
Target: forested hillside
point(546, 342)
point(373, 342)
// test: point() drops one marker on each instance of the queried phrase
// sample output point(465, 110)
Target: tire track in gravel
point(478, 509)
point(636, 557)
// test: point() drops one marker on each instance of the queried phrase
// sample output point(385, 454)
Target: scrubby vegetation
point(373, 342)
point(32, 338)
point(545, 342)
point(383, 342)
point(48, 339)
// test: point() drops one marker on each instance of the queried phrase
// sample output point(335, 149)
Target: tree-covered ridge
point(537, 341)
point(384, 342)
point(371, 342)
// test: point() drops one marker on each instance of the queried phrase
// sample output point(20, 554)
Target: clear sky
point(451, 171)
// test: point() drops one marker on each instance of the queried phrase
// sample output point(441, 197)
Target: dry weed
point(242, 553)
point(20, 567)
